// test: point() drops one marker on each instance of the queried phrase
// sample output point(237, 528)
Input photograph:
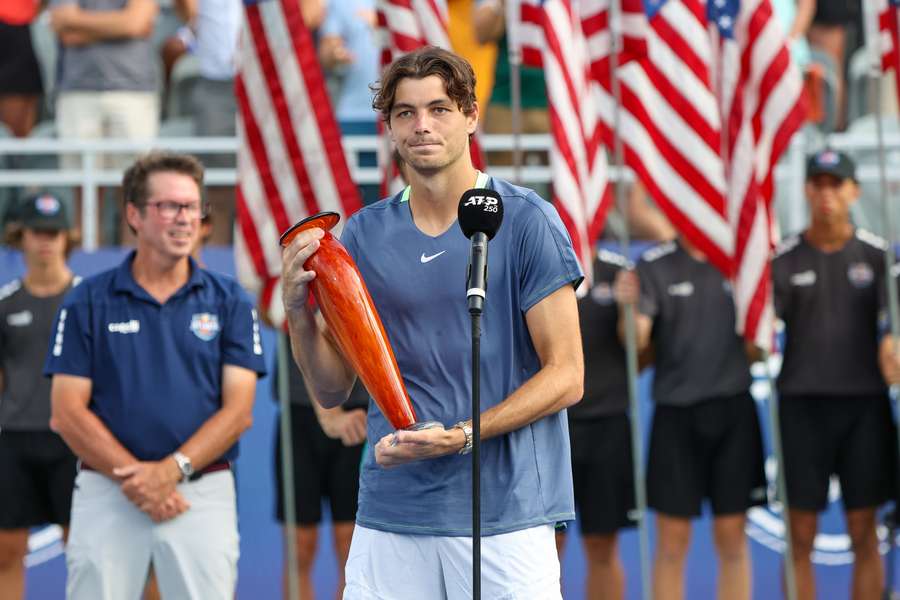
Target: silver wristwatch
point(466, 427)
point(184, 465)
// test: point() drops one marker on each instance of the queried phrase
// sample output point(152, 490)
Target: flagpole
point(637, 438)
point(875, 81)
point(514, 53)
point(287, 466)
point(876, 78)
point(790, 576)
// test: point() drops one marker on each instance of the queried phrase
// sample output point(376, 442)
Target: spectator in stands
point(482, 56)
point(216, 25)
point(349, 56)
point(20, 75)
point(327, 448)
point(489, 17)
point(37, 469)
point(796, 17)
point(828, 34)
point(106, 86)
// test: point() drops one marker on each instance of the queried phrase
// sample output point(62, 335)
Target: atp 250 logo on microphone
point(487, 203)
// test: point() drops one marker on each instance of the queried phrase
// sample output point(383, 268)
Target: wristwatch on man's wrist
point(466, 427)
point(184, 465)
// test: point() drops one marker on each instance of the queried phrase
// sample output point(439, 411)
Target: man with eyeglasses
point(154, 367)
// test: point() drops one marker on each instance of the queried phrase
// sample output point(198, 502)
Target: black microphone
point(480, 215)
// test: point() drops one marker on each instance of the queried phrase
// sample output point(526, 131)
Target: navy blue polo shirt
point(156, 369)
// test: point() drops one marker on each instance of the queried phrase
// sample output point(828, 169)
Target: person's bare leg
point(803, 534)
point(13, 546)
point(151, 588)
point(306, 539)
point(19, 112)
point(605, 575)
point(673, 541)
point(868, 570)
point(560, 544)
point(343, 534)
point(734, 558)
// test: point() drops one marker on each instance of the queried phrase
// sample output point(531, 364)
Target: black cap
point(831, 162)
point(480, 209)
point(43, 212)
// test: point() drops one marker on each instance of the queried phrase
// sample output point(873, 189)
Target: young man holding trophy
point(413, 535)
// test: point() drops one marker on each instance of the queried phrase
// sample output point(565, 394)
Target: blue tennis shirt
point(156, 369)
point(418, 284)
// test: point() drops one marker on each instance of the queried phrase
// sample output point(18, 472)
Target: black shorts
point(323, 468)
point(37, 476)
point(852, 437)
point(19, 69)
point(710, 450)
point(602, 473)
point(836, 12)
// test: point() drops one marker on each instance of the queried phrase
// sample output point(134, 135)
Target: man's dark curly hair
point(455, 71)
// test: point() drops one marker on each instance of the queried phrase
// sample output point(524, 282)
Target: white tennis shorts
point(514, 566)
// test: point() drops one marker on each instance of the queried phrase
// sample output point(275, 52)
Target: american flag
point(884, 36)
point(761, 97)
point(577, 159)
point(404, 26)
point(290, 160)
point(709, 100)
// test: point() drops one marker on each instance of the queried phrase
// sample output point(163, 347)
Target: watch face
point(184, 464)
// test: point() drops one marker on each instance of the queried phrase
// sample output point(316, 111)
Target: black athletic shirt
point(698, 355)
point(830, 303)
point(605, 380)
point(26, 326)
point(359, 397)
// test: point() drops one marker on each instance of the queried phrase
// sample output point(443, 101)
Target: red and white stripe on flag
point(404, 26)
point(687, 67)
point(577, 158)
point(290, 160)
point(761, 95)
point(882, 29)
point(529, 31)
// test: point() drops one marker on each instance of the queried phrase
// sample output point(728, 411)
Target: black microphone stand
point(476, 453)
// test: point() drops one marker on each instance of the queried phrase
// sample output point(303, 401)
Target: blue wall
point(261, 546)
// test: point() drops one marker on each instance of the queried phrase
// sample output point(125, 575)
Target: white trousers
point(107, 114)
point(112, 542)
point(514, 566)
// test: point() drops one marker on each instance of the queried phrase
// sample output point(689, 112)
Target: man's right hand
point(348, 426)
point(294, 277)
point(169, 508)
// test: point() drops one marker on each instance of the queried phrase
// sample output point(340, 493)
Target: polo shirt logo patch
point(205, 326)
point(132, 326)
point(20, 319)
point(803, 279)
point(860, 275)
point(602, 294)
point(683, 289)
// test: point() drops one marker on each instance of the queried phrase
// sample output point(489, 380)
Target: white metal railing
point(789, 174)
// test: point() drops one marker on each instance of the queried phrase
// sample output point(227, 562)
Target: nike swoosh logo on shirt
point(424, 259)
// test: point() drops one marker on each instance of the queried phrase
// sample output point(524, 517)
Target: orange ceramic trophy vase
point(350, 314)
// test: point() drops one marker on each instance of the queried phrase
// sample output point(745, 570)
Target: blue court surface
point(261, 542)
